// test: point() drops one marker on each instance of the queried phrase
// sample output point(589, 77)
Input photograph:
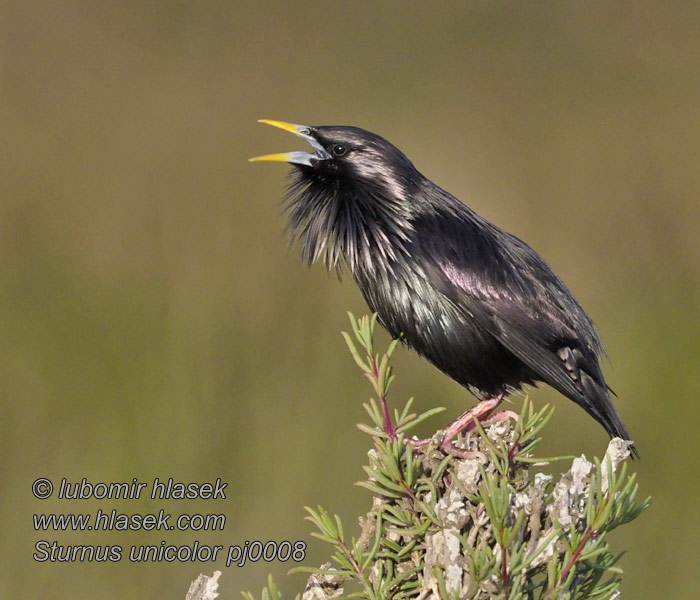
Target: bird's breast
point(409, 307)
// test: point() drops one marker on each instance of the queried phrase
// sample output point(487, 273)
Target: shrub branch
point(489, 526)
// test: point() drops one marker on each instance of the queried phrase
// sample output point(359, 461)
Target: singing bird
point(474, 300)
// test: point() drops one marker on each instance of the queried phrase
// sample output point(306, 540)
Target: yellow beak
point(280, 157)
point(296, 157)
point(291, 127)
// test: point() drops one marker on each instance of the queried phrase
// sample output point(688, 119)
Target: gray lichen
point(487, 525)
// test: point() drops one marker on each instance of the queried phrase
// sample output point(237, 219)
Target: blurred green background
point(154, 324)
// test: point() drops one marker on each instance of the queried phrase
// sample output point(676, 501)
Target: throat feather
point(333, 221)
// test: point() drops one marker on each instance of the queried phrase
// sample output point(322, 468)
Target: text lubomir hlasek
point(159, 490)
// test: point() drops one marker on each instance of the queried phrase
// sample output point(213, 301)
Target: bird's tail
point(599, 405)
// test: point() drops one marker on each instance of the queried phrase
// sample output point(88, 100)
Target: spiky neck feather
point(333, 218)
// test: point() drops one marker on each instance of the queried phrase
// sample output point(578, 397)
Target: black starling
point(477, 302)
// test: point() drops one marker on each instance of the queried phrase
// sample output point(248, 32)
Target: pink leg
point(466, 420)
point(501, 415)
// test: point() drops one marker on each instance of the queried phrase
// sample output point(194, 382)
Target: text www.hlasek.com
point(113, 520)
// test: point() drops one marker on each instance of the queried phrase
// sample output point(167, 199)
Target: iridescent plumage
point(477, 302)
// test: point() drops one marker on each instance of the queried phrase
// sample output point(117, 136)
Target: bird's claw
point(449, 448)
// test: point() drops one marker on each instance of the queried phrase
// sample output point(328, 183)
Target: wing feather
point(511, 293)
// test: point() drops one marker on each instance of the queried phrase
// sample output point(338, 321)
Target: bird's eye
point(339, 150)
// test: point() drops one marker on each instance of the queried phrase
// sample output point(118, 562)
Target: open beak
point(297, 157)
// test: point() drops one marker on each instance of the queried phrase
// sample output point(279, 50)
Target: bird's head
point(353, 195)
point(349, 155)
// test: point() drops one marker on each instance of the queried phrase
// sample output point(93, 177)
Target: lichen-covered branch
point(489, 526)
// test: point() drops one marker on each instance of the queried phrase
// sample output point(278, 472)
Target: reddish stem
point(389, 428)
point(504, 570)
point(388, 425)
point(587, 535)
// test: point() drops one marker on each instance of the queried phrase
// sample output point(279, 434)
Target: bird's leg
point(466, 421)
point(484, 407)
point(501, 415)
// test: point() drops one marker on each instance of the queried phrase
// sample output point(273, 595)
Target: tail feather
point(598, 404)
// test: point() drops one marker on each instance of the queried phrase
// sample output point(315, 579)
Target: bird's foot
point(418, 442)
point(445, 446)
point(500, 416)
point(465, 422)
point(450, 448)
point(466, 419)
